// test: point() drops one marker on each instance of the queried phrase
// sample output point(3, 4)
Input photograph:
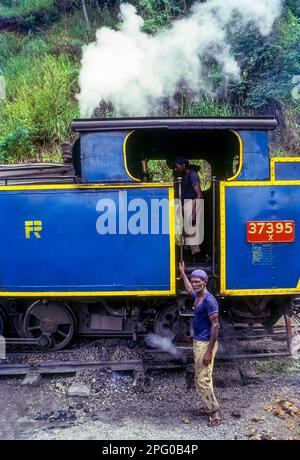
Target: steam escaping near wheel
point(295, 342)
point(163, 344)
point(295, 345)
point(135, 71)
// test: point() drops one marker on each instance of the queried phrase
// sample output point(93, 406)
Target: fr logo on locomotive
point(33, 228)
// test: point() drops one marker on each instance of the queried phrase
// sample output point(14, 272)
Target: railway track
point(153, 359)
point(138, 366)
point(72, 367)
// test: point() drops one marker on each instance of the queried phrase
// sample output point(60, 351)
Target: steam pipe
point(179, 179)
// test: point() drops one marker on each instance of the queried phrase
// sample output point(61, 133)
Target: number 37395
point(276, 231)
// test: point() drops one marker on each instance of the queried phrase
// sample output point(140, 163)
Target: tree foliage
point(268, 64)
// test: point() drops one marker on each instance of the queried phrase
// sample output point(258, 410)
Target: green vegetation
point(278, 366)
point(41, 109)
point(40, 51)
point(208, 107)
point(158, 14)
point(22, 7)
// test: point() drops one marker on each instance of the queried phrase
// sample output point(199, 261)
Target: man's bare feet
point(215, 418)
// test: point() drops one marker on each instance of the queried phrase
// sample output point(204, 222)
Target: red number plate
point(271, 231)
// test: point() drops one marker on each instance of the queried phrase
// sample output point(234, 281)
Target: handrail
point(39, 180)
point(214, 182)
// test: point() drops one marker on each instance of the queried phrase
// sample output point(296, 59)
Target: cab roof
point(117, 124)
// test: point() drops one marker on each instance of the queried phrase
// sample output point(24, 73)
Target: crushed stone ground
point(161, 409)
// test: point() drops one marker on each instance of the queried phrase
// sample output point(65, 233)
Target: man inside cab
point(190, 190)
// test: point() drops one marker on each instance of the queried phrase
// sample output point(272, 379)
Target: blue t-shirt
point(188, 181)
point(201, 321)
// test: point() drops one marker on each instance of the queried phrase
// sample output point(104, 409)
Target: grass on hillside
point(40, 107)
point(24, 7)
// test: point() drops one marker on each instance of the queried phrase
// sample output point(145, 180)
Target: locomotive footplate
point(42, 342)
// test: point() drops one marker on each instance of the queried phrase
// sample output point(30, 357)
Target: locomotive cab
point(144, 150)
point(214, 154)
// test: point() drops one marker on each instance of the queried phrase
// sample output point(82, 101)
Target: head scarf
point(200, 274)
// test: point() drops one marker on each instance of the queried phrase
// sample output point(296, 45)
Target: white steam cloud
point(295, 345)
point(162, 343)
point(135, 71)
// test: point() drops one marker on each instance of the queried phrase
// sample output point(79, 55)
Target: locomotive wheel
point(169, 324)
point(54, 319)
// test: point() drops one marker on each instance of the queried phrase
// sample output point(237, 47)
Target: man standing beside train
point(205, 344)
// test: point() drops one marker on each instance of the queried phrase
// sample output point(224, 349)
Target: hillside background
point(40, 51)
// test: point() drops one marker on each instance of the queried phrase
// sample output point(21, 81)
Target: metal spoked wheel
point(55, 320)
point(169, 324)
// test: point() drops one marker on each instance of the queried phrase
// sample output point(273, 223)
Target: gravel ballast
point(160, 408)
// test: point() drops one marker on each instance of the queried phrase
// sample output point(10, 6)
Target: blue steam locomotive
point(89, 247)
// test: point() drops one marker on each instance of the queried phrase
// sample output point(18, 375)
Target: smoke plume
point(163, 344)
point(135, 71)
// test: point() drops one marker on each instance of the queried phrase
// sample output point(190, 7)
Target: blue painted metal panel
point(71, 255)
point(287, 170)
point(102, 157)
point(255, 156)
point(266, 265)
